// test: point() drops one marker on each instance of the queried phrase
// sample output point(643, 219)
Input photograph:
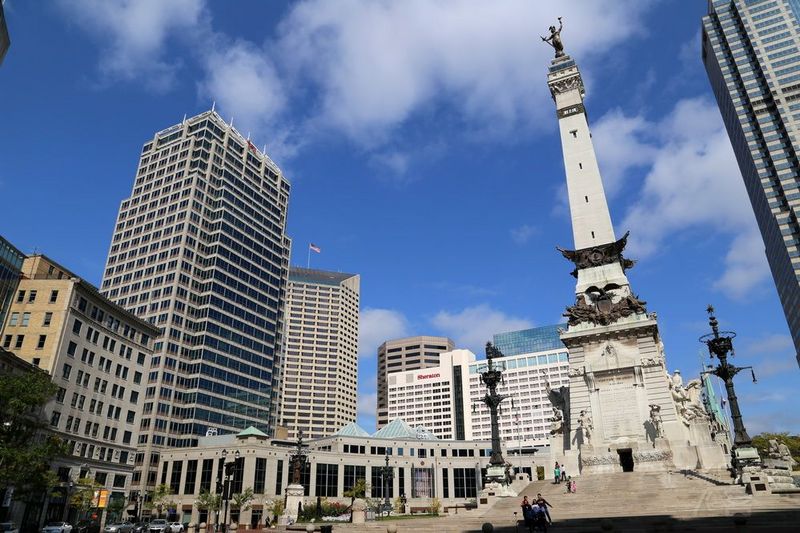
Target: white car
point(8, 527)
point(57, 527)
point(176, 527)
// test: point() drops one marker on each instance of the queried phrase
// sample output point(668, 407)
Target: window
point(60, 394)
point(261, 475)
point(14, 319)
point(42, 340)
point(464, 483)
point(279, 477)
point(7, 342)
point(36, 361)
point(379, 484)
point(327, 479)
point(53, 296)
point(26, 319)
point(445, 483)
point(48, 318)
point(175, 478)
point(71, 347)
point(20, 296)
point(76, 327)
point(20, 339)
point(119, 481)
point(206, 474)
point(66, 371)
point(31, 297)
point(54, 419)
point(191, 476)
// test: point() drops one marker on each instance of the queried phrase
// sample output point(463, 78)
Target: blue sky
point(422, 146)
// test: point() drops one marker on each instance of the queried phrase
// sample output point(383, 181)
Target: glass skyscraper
point(530, 340)
point(200, 250)
point(751, 51)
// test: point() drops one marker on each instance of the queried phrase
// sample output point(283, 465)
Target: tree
point(358, 490)
point(116, 505)
point(160, 498)
point(83, 495)
point(242, 501)
point(26, 447)
point(208, 502)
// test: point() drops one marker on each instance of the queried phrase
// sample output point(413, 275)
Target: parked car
point(119, 527)
point(141, 527)
point(176, 527)
point(86, 526)
point(57, 527)
point(159, 525)
point(8, 527)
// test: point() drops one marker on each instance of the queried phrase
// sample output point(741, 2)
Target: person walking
point(557, 474)
point(539, 521)
point(544, 504)
point(527, 514)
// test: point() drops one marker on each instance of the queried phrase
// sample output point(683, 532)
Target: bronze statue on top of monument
point(555, 39)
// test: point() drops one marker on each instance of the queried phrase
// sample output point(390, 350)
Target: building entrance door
point(626, 459)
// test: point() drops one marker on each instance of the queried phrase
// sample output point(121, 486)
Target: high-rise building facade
point(200, 250)
point(10, 270)
point(409, 353)
point(320, 372)
point(447, 399)
point(99, 356)
point(751, 55)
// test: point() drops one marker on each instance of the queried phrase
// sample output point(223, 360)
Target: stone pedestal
point(294, 499)
point(359, 511)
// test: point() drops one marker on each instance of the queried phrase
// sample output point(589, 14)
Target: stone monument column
point(617, 369)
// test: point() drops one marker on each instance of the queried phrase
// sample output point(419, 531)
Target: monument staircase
point(631, 501)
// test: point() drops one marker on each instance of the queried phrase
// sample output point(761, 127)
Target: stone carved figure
point(555, 39)
point(688, 399)
point(559, 399)
point(773, 450)
point(602, 310)
point(557, 422)
point(652, 455)
point(779, 450)
point(586, 425)
point(594, 460)
point(655, 418)
point(603, 254)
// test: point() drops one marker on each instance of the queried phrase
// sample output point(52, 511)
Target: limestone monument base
point(359, 511)
point(294, 499)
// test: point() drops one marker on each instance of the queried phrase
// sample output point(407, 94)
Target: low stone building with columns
point(423, 468)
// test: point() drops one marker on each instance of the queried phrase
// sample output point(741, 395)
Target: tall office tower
point(750, 51)
point(10, 270)
point(320, 372)
point(410, 353)
point(200, 249)
point(99, 355)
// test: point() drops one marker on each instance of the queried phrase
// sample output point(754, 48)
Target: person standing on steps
point(563, 473)
point(527, 514)
point(544, 504)
point(539, 521)
point(557, 474)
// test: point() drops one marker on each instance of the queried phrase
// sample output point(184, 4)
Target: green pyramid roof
point(399, 429)
point(351, 430)
point(251, 432)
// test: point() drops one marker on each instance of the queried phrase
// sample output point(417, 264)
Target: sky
point(422, 147)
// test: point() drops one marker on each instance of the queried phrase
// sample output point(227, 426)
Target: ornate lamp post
point(230, 468)
point(387, 474)
point(492, 377)
point(294, 492)
point(720, 343)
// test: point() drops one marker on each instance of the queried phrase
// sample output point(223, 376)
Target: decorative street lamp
point(230, 468)
point(387, 475)
point(492, 377)
point(719, 344)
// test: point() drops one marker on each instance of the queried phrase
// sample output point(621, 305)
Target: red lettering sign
point(427, 376)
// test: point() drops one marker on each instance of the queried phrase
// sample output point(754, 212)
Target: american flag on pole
point(314, 248)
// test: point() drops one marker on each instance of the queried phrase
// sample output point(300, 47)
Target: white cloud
point(134, 34)
point(243, 81)
point(472, 327)
point(692, 182)
point(523, 233)
point(377, 326)
point(378, 63)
